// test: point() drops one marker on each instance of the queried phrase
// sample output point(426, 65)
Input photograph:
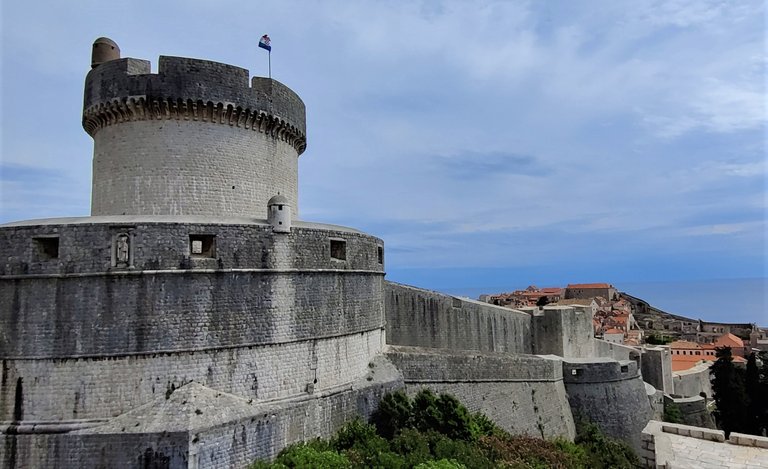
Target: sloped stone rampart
point(523, 394)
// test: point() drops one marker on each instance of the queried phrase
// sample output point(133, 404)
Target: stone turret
point(195, 138)
point(279, 214)
point(104, 50)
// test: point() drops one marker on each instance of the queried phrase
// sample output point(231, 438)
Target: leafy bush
point(307, 455)
point(441, 464)
point(437, 432)
point(602, 451)
point(672, 413)
point(394, 413)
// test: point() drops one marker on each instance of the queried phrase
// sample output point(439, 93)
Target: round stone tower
point(192, 139)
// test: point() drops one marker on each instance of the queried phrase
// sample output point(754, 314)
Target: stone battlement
point(125, 90)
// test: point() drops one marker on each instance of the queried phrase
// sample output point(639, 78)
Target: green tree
point(757, 392)
point(729, 393)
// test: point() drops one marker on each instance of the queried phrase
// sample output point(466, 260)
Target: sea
point(719, 300)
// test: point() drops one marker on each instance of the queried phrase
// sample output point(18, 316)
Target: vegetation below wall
point(438, 432)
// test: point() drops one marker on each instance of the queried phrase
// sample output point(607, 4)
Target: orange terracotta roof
point(589, 285)
point(685, 344)
point(729, 340)
point(614, 331)
point(551, 290)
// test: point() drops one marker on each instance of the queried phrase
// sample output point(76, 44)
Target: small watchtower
point(279, 214)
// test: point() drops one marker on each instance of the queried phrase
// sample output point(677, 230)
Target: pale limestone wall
point(425, 318)
point(678, 446)
point(243, 437)
point(103, 387)
point(657, 367)
point(564, 331)
point(693, 381)
point(179, 167)
point(524, 394)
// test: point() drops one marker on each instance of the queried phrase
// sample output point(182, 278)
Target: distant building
point(738, 347)
point(591, 290)
point(615, 336)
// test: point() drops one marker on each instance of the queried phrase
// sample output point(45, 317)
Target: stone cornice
point(139, 108)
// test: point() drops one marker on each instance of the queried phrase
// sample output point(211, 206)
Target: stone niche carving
point(122, 250)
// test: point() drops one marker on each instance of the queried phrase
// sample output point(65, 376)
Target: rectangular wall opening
point(47, 247)
point(380, 254)
point(339, 249)
point(202, 245)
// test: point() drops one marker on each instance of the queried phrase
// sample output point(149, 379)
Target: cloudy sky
point(489, 143)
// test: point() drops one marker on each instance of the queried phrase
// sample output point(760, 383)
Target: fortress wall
point(619, 352)
point(237, 443)
point(259, 288)
point(103, 387)
point(563, 331)
point(657, 368)
point(611, 394)
point(691, 382)
point(425, 318)
point(521, 393)
point(97, 451)
point(693, 411)
point(180, 167)
point(141, 314)
point(86, 246)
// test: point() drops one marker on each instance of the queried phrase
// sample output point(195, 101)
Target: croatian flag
point(264, 43)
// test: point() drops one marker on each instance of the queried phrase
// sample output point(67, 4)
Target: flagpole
point(269, 54)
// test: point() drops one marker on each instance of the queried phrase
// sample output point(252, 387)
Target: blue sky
point(488, 143)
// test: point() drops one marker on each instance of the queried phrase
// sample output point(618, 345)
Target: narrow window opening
point(202, 245)
point(625, 368)
point(279, 207)
point(380, 254)
point(48, 247)
point(577, 372)
point(456, 303)
point(339, 249)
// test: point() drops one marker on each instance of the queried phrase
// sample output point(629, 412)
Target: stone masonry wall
point(563, 331)
point(521, 393)
point(179, 167)
point(236, 444)
point(426, 318)
point(102, 387)
point(611, 394)
point(657, 368)
point(266, 316)
point(693, 381)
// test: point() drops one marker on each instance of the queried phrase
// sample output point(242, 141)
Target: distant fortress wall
point(691, 382)
point(425, 318)
point(523, 394)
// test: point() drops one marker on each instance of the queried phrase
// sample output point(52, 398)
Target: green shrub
point(602, 451)
point(441, 464)
point(393, 414)
point(413, 446)
point(672, 413)
point(314, 454)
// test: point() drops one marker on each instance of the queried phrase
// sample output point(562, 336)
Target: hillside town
point(621, 318)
